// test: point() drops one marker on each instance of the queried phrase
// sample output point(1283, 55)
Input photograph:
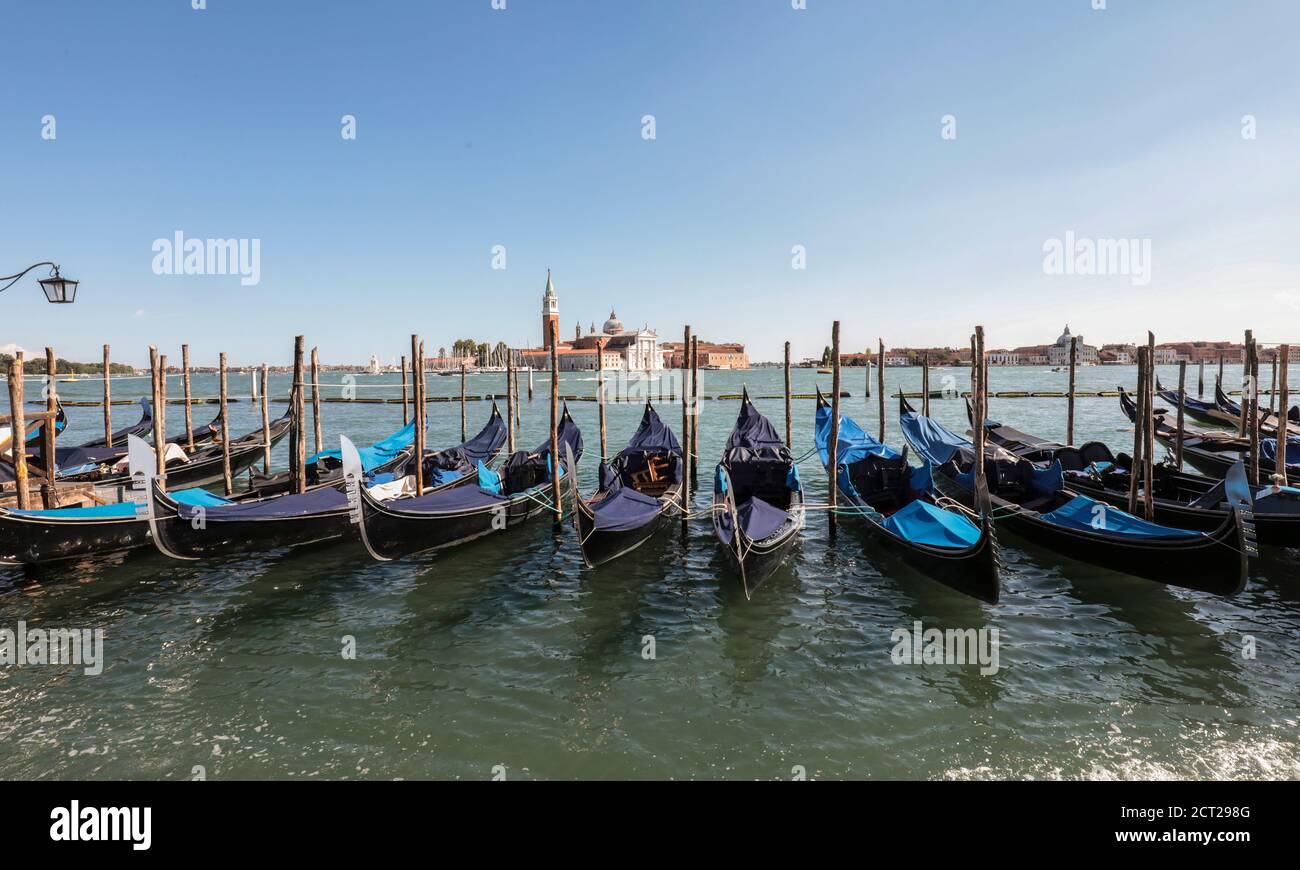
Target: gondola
point(1214, 453)
point(1034, 503)
point(1181, 499)
point(1232, 410)
point(184, 528)
point(397, 527)
point(1199, 409)
point(639, 487)
point(140, 429)
point(758, 505)
point(895, 502)
point(34, 429)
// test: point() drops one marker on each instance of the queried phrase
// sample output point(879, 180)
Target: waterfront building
point(622, 349)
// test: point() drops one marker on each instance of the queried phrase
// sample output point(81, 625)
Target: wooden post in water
point(833, 445)
point(1252, 355)
point(18, 431)
point(510, 404)
point(48, 428)
point(867, 391)
point(1149, 449)
point(982, 500)
point(108, 402)
point(1245, 385)
point(600, 392)
point(530, 381)
point(266, 421)
point(695, 407)
point(185, 385)
point(1283, 425)
point(1069, 412)
point(555, 424)
point(686, 422)
point(315, 398)
point(162, 394)
point(1272, 387)
point(406, 410)
point(925, 385)
point(1182, 400)
point(299, 460)
point(224, 398)
point(1139, 425)
point(159, 448)
point(1200, 378)
point(788, 442)
point(253, 391)
point(1219, 381)
point(462, 400)
point(417, 412)
point(880, 385)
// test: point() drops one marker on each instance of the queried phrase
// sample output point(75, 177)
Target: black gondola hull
point(391, 533)
point(756, 561)
point(205, 537)
point(1215, 563)
point(603, 545)
point(28, 540)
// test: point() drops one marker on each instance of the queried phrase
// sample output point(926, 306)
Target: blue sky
point(775, 127)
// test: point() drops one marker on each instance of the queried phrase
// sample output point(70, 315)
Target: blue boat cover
point(279, 506)
point(753, 431)
point(69, 459)
point(931, 440)
point(923, 523)
point(198, 496)
point(651, 434)
point(1268, 450)
point(378, 453)
point(1080, 512)
point(852, 445)
point(461, 498)
point(100, 511)
point(489, 479)
point(625, 510)
point(759, 519)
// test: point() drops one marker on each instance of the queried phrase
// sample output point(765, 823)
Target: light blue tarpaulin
point(931, 440)
point(198, 497)
point(924, 523)
point(852, 444)
point(101, 511)
point(378, 453)
point(488, 479)
point(1088, 515)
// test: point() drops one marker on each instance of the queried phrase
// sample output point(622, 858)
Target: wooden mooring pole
point(18, 431)
point(880, 389)
point(788, 442)
point(315, 398)
point(686, 424)
point(108, 402)
point(406, 409)
point(1182, 401)
point(185, 386)
point(49, 430)
point(510, 404)
point(159, 449)
point(1069, 413)
point(417, 412)
point(1139, 434)
point(832, 470)
point(1200, 378)
point(1252, 400)
point(1149, 450)
point(224, 398)
point(600, 393)
point(162, 393)
point(299, 460)
point(462, 400)
point(555, 424)
point(695, 410)
point(266, 420)
point(1245, 385)
point(1283, 425)
point(925, 385)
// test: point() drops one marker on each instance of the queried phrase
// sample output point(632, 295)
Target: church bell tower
point(550, 311)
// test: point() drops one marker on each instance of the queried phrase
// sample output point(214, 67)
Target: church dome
point(613, 326)
point(1065, 337)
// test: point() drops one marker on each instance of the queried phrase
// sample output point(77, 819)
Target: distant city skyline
point(754, 170)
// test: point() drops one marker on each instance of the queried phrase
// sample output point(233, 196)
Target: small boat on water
point(187, 529)
point(1034, 503)
point(1181, 499)
point(758, 507)
point(638, 489)
point(392, 528)
point(895, 502)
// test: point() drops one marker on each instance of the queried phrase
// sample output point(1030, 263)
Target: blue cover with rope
point(378, 453)
point(932, 441)
point(852, 444)
point(625, 510)
point(1080, 513)
point(923, 523)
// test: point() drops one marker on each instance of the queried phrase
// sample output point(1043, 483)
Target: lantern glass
point(59, 290)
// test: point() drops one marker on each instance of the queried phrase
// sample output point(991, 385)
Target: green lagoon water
point(508, 652)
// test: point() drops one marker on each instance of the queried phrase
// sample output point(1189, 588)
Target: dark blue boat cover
point(625, 510)
point(279, 506)
point(1268, 450)
point(923, 523)
point(852, 445)
point(651, 434)
point(1081, 512)
point(759, 519)
point(455, 462)
point(753, 431)
point(461, 498)
point(69, 459)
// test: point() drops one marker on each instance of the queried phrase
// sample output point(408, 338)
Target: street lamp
point(58, 289)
